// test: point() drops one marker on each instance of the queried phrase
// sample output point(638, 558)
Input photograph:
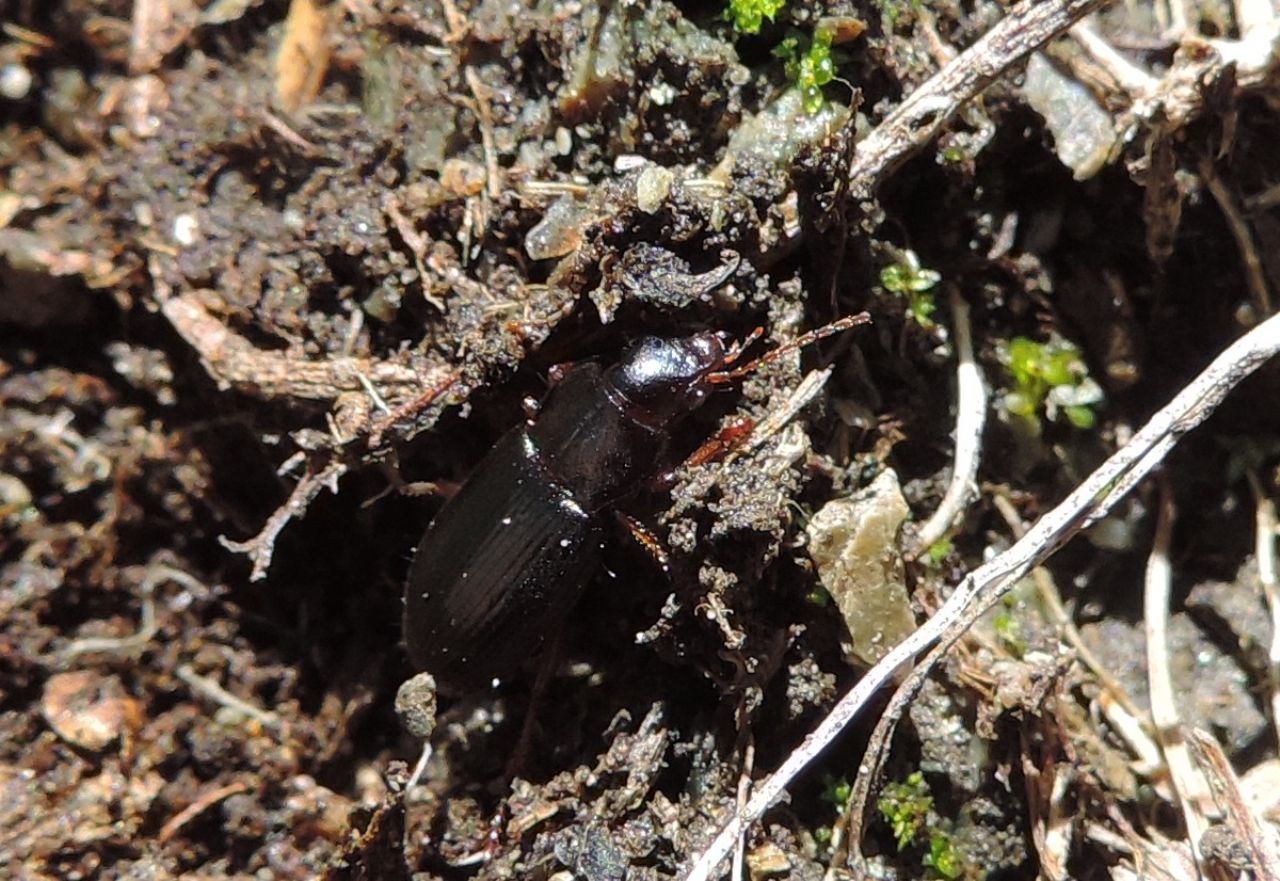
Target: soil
point(273, 278)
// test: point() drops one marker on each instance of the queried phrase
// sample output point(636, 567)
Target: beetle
point(507, 557)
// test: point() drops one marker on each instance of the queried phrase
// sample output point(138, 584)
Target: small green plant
point(1051, 377)
point(748, 16)
point(943, 857)
point(907, 278)
point(836, 790)
point(810, 67)
point(938, 551)
point(1009, 629)
point(905, 806)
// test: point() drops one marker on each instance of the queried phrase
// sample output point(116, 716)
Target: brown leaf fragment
point(88, 710)
point(303, 57)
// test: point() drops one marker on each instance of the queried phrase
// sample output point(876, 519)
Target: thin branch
point(493, 177)
point(1258, 836)
point(1090, 500)
point(920, 117)
point(1120, 709)
point(1250, 259)
point(1129, 76)
point(175, 823)
point(157, 574)
point(260, 548)
point(971, 411)
point(233, 361)
point(799, 398)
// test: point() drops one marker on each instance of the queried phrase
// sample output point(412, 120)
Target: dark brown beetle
point(507, 557)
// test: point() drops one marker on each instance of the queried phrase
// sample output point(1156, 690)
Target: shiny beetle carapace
point(507, 557)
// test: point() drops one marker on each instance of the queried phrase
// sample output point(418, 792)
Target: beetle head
point(663, 379)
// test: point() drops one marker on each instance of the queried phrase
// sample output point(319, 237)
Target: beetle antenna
point(769, 357)
point(738, 347)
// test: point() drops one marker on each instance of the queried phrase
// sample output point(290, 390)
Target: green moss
point(836, 790)
point(943, 857)
point(1009, 629)
point(820, 597)
point(938, 551)
point(907, 278)
point(809, 65)
point(905, 806)
point(748, 16)
point(891, 10)
point(1051, 378)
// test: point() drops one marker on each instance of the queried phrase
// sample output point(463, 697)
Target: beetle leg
point(546, 667)
point(410, 409)
point(728, 439)
point(651, 544)
point(557, 372)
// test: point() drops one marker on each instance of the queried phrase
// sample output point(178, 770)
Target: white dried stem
point(1188, 782)
point(1119, 708)
point(206, 687)
point(971, 411)
point(1128, 76)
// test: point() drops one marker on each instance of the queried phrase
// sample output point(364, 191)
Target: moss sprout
point(748, 16)
point(907, 278)
point(943, 857)
point(905, 806)
point(809, 65)
point(1052, 378)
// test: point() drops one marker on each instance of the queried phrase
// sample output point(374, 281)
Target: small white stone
point(15, 82)
point(662, 94)
point(186, 229)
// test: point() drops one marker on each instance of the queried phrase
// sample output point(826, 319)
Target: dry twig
point(920, 117)
point(157, 574)
point(1254, 274)
point(1115, 702)
point(233, 361)
point(260, 548)
point(175, 823)
point(1258, 837)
